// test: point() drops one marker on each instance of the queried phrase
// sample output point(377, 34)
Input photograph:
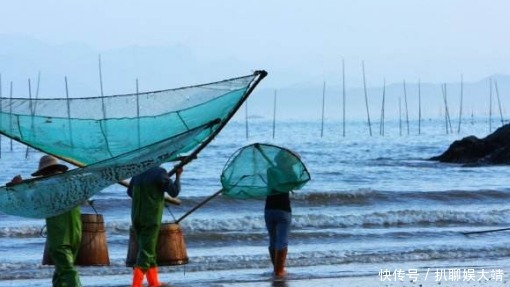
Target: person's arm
point(130, 188)
point(174, 187)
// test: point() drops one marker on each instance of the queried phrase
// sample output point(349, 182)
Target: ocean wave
point(234, 261)
point(373, 197)
point(252, 224)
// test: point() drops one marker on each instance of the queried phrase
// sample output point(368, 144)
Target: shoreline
point(311, 276)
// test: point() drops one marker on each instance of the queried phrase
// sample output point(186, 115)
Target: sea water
point(375, 203)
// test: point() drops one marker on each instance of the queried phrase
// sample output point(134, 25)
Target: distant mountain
point(158, 68)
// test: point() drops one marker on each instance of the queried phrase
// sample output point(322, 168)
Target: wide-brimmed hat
point(49, 162)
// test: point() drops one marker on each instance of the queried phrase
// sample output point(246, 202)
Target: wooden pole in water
point(104, 122)
point(343, 98)
point(381, 126)
point(274, 113)
point(31, 112)
point(246, 117)
point(419, 106)
point(399, 116)
point(490, 105)
point(323, 105)
point(447, 113)
point(407, 110)
point(461, 100)
point(138, 114)
point(101, 81)
point(499, 102)
point(10, 115)
point(69, 114)
point(102, 93)
point(366, 97)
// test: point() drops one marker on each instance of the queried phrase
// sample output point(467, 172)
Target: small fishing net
point(258, 170)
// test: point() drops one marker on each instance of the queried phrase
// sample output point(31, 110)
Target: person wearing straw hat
point(148, 193)
point(64, 231)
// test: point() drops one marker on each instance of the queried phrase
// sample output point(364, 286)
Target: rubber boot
point(272, 254)
point(152, 277)
point(137, 277)
point(279, 268)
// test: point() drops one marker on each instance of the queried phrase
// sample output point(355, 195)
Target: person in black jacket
point(278, 211)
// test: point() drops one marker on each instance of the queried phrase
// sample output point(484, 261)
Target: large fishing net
point(114, 137)
point(89, 130)
point(48, 196)
point(259, 170)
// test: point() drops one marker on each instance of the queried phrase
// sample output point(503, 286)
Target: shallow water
point(373, 203)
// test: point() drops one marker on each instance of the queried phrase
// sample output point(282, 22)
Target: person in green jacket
point(64, 231)
point(148, 193)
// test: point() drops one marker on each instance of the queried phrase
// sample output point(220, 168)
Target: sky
point(296, 41)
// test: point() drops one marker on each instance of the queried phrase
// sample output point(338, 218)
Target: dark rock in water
point(493, 149)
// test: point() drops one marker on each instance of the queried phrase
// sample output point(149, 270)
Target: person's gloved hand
point(15, 180)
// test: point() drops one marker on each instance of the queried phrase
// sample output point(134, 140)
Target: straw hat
point(48, 162)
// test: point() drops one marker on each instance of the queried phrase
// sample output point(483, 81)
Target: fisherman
point(148, 192)
point(64, 230)
point(278, 211)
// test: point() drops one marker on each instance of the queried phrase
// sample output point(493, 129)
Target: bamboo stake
point(366, 98)
point(69, 114)
point(33, 106)
point(447, 113)
point(10, 114)
point(274, 113)
point(419, 106)
point(104, 121)
point(138, 114)
point(499, 102)
point(31, 112)
point(343, 98)
point(405, 102)
point(490, 105)
point(461, 99)
point(399, 116)
point(246, 118)
point(381, 126)
point(323, 104)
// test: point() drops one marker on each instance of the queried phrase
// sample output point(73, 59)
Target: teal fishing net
point(88, 130)
point(48, 196)
point(258, 170)
point(114, 137)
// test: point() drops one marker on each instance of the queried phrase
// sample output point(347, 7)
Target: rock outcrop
point(493, 149)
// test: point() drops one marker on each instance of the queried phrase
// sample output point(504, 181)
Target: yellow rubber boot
point(138, 276)
point(152, 277)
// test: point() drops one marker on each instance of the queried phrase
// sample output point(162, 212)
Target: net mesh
point(114, 137)
point(49, 196)
point(258, 170)
point(89, 130)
